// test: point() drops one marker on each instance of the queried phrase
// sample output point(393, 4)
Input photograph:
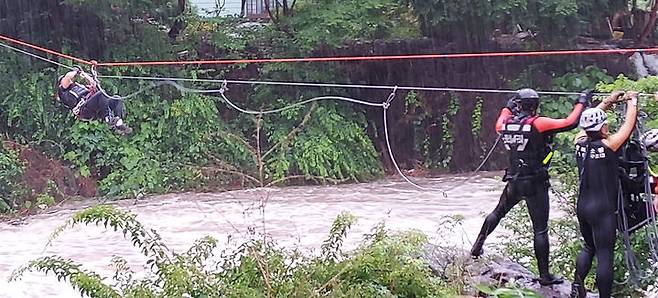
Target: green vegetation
point(186, 141)
point(384, 265)
point(11, 171)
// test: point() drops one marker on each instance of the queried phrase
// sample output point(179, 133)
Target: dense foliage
point(11, 171)
point(184, 140)
point(384, 265)
point(475, 21)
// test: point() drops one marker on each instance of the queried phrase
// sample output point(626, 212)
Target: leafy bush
point(11, 172)
point(384, 265)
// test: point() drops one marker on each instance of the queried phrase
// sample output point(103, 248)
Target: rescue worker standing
point(598, 168)
point(527, 137)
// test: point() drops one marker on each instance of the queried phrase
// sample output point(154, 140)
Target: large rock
point(491, 271)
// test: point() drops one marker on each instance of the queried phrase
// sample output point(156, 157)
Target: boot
point(118, 126)
point(577, 291)
point(477, 249)
point(550, 279)
point(123, 129)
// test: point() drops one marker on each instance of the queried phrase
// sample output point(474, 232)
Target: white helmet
point(650, 139)
point(593, 119)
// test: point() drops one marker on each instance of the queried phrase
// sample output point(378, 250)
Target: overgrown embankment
point(188, 141)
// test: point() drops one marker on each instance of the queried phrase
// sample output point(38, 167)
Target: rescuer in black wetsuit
point(527, 136)
point(596, 154)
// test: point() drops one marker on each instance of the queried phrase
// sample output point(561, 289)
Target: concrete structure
point(209, 7)
point(251, 9)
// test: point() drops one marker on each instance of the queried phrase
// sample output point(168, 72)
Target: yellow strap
point(548, 157)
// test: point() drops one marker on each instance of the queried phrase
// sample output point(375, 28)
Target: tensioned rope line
point(35, 56)
point(384, 57)
point(42, 49)
point(334, 85)
point(341, 58)
point(299, 84)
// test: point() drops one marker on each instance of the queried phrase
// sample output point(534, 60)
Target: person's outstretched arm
point(67, 80)
point(550, 125)
point(90, 81)
point(505, 113)
point(615, 141)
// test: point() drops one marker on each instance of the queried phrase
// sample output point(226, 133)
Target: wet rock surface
point(493, 271)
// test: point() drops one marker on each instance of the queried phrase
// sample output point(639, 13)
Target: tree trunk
point(269, 11)
point(179, 24)
point(57, 23)
point(650, 25)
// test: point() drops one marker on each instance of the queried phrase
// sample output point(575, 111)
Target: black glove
point(512, 103)
point(585, 97)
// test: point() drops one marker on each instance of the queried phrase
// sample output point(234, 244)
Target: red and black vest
point(529, 150)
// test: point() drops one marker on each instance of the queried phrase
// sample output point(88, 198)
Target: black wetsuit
point(527, 139)
point(95, 107)
point(597, 198)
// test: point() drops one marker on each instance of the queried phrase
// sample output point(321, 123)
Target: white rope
point(35, 56)
point(298, 84)
point(383, 105)
point(333, 85)
point(395, 163)
point(493, 147)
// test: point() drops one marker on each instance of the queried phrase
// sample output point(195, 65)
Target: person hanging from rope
point(89, 102)
point(598, 166)
point(527, 137)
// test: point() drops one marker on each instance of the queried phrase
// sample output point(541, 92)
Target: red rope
point(396, 57)
point(38, 48)
point(336, 59)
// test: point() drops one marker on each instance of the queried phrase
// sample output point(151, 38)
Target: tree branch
point(292, 6)
point(238, 173)
point(269, 11)
point(262, 266)
point(649, 26)
point(243, 141)
point(293, 132)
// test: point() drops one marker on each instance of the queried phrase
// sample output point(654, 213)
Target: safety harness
point(530, 151)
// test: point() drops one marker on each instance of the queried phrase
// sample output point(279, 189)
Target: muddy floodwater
point(293, 216)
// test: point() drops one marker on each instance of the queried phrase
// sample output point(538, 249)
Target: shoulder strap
point(530, 120)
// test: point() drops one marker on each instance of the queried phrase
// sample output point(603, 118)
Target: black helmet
point(59, 80)
point(529, 99)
